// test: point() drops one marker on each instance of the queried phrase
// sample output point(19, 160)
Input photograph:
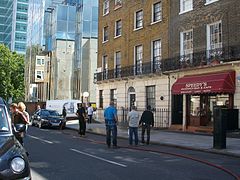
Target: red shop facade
point(195, 96)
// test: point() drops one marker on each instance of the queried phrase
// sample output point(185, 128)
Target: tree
point(11, 74)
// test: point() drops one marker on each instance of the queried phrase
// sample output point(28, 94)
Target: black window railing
point(203, 58)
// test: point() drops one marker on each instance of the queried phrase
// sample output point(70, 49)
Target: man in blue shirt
point(111, 119)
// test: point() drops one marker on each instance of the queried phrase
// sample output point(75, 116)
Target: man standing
point(64, 114)
point(81, 118)
point(146, 121)
point(111, 119)
point(133, 119)
point(90, 113)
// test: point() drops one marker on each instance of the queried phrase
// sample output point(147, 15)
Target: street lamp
point(86, 95)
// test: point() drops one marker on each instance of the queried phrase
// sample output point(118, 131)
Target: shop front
point(195, 96)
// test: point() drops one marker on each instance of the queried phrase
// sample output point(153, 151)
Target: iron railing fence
point(161, 116)
point(196, 59)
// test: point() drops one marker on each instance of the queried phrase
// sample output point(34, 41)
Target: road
point(58, 155)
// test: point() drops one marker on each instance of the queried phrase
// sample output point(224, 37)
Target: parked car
point(47, 118)
point(14, 162)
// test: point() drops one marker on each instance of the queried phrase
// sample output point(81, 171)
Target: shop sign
point(196, 87)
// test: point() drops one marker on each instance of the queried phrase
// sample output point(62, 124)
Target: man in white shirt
point(133, 119)
point(90, 113)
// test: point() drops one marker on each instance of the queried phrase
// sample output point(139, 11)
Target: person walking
point(133, 119)
point(22, 108)
point(64, 114)
point(111, 120)
point(90, 113)
point(146, 121)
point(81, 113)
point(17, 118)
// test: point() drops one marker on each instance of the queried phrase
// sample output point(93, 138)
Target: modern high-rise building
point(71, 40)
point(85, 49)
point(13, 24)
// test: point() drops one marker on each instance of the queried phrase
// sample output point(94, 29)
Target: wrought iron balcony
point(196, 59)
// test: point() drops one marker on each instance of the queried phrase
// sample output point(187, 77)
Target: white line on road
point(46, 141)
point(99, 158)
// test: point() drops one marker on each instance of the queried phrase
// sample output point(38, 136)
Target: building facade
point(86, 36)
point(13, 24)
point(170, 54)
point(133, 41)
point(206, 54)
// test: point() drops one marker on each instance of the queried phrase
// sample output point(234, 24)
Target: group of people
point(135, 121)
point(84, 115)
point(19, 115)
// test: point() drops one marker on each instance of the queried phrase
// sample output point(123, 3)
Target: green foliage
point(11, 74)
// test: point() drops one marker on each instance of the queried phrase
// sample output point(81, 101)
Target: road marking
point(46, 141)
point(99, 158)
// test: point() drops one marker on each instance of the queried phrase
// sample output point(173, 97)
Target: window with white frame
point(186, 46)
point(150, 96)
point(139, 19)
point(118, 63)
point(105, 34)
point(105, 67)
point(118, 3)
point(214, 39)
point(39, 75)
point(210, 1)
point(43, 61)
point(157, 55)
point(138, 59)
point(118, 28)
point(39, 62)
point(105, 7)
point(186, 5)
point(157, 12)
point(113, 96)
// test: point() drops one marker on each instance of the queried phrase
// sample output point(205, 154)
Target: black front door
point(132, 100)
point(177, 109)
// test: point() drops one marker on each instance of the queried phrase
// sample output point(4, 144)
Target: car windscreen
point(4, 127)
point(49, 113)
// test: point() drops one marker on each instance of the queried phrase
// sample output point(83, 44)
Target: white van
point(70, 105)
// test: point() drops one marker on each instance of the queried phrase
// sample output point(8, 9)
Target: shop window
point(195, 105)
point(150, 96)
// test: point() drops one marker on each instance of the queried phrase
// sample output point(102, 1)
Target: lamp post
point(86, 95)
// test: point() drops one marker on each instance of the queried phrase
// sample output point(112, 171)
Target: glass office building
point(36, 23)
point(13, 24)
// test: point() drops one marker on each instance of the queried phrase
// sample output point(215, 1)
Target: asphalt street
point(56, 154)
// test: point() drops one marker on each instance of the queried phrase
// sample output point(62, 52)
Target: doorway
point(131, 97)
point(177, 110)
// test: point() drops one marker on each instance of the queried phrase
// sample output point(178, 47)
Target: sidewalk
point(175, 139)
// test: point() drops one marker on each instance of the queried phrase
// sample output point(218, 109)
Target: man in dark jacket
point(146, 121)
point(81, 113)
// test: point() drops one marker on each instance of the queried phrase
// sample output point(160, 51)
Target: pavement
point(192, 141)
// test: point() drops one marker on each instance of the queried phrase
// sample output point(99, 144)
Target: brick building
point(204, 49)
point(133, 39)
point(178, 55)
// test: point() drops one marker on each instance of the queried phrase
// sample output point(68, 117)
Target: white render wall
point(161, 87)
point(139, 84)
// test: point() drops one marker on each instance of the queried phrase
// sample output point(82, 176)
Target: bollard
point(219, 127)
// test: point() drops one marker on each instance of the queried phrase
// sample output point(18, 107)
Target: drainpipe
point(169, 97)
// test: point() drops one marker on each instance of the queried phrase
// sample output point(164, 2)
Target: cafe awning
point(219, 82)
